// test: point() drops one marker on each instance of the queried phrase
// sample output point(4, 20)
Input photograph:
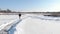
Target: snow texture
point(36, 24)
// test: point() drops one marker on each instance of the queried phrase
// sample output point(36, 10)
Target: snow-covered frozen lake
point(7, 18)
point(33, 24)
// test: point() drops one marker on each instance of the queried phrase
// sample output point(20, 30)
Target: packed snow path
point(6, 21)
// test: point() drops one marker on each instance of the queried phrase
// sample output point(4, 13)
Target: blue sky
point(38, 5)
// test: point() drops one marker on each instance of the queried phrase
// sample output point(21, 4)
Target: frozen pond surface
point(34, 24)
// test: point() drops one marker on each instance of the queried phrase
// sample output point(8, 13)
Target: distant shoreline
point(16, 13)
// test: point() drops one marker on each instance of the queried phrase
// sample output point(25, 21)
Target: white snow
point(33, 25)
point(6, 20)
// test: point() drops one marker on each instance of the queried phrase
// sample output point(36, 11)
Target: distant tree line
point(5, 10)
